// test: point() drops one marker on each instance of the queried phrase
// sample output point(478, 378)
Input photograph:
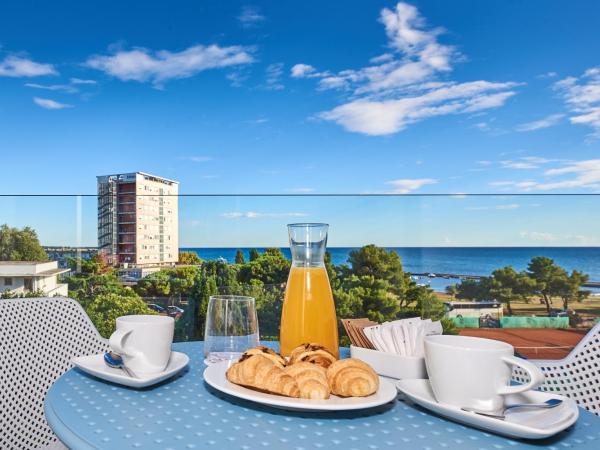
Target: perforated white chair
point(577, 376)
point(38, 338)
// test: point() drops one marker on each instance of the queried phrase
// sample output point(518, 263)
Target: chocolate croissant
point(352, 378)
point(259, 372)
point(311, 379)
point(277, 359)
point(312, 353)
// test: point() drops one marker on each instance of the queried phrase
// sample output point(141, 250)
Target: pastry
point(267, 353)
point(311, 379)
point(352, 378)
point(312, 353)
point(259, 372)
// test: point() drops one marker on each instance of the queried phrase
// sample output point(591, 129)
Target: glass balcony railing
point(524, 268)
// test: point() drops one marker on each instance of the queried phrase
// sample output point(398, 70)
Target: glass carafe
point(308, 313)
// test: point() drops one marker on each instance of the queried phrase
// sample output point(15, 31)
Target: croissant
point(277, 359)
point(259, 372)
point(352, 378)
point(312, 353)
point(311, 379)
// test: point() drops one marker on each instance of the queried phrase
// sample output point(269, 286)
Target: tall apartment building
point(138, 220)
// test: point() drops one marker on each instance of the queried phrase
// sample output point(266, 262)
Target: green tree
point(254, 255)
point(370, 297)
point(104, 309)
point(452, 290)
point(85, 287)
point(239, 257)
point(507, 285)
point(189, 258)
point(192, 323)
point(272, 267)
point(93, 266)
point(26, 294)
point(382, 264)
point(20, 245)
point(569, 288)
point(473, 289)
point(550, 279)
point(183, 280)
point(331, 272)
point(157, 284)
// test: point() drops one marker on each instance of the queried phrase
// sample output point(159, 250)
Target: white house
point(30, 276)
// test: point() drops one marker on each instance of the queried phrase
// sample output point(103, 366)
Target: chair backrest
point(38, 338)
point(577, 376)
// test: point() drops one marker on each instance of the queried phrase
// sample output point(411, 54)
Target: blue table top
point(185, 413)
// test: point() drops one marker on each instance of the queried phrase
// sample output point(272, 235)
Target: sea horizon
point(475, 261)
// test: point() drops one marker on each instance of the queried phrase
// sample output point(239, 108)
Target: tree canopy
point(543, 278)
point(189, 258)
point(20, 245)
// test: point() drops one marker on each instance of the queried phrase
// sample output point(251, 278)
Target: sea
point(453, 260)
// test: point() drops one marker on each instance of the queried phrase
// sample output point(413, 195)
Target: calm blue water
point(458, 260)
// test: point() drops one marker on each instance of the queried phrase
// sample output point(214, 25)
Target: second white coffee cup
point(144, 342)
point(470, 372)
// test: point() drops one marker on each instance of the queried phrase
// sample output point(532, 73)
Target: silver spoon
point(551, 403)
point(115, 361)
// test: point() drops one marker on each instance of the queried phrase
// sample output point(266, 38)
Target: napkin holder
point(391, 365)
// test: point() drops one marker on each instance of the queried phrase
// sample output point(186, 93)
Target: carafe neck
point(307, 244)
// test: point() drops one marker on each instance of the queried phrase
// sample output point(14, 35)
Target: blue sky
point(347, 97)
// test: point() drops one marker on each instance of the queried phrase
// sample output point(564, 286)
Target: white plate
point(524, 423)
point(214, 375)
point(95, 365)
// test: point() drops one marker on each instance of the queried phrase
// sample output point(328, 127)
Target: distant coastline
point(464, 260)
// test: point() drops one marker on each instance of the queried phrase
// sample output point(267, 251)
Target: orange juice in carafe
point(308, 313)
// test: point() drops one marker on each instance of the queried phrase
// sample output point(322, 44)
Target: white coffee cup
point(144, 342)
point(470, 372)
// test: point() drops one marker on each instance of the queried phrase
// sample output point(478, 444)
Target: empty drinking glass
point(231, 327)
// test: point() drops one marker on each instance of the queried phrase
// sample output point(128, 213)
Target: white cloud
point(302, 190)
point(250, 16)
point(582, 97)
point(544, 236)
point(525, 162)
point(405, 186)
point(400, 86)
point(50, 104)
point(198, 158)
point(54, 87)
point(17, 66)
point(507, 207)
point(82, 81)
point(274, 73)
point(546, 122)
point(144, 65)
point(579, 175)
point(258, 120)
point(302, 71)
point(390, 116)
point(518, 165)
point(538, 236)
point(260, 215)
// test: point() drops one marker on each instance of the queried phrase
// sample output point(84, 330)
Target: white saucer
point(214, 375)
point(95, 365)
point(524, 423)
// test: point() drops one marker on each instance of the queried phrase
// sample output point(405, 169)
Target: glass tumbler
point(231, 327)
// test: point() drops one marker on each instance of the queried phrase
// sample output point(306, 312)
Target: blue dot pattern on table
point(185, 413)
